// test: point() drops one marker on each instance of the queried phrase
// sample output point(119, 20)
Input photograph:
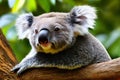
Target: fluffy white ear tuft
point(83, 18)
point(23, 24)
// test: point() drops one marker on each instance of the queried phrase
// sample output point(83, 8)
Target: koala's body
point(60, 40)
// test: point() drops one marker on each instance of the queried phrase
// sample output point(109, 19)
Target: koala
point(60, 40)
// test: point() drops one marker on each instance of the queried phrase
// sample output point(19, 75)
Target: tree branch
point(101, 71)
point(109, 70)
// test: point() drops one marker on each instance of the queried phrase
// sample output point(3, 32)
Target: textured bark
point(7, 60)
point(109, 70)
point(102, 71)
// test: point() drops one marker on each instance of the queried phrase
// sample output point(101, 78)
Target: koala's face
point(54, 32)
point(51, 34)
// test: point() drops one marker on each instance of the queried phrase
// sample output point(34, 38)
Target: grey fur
point(71, 47)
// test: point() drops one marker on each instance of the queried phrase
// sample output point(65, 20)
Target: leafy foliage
point(107, 28)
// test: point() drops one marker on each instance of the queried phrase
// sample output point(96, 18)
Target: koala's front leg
point(28, 62)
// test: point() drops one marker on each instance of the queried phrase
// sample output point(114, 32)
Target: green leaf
point(22, 50)
point(11, 3)
point(7, 19)
point(0, 1)
point(6, 22)
point(60, 0)
point(45, 4)
point(31, 5)
point(53, 2)
point(113, 38)
point(18, 5)
point(71, 2)
point(11, 34)
point(114, 49)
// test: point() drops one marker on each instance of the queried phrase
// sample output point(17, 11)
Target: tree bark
point(109, 70)
point(7, 60)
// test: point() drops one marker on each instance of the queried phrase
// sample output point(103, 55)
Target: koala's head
point(54, 32)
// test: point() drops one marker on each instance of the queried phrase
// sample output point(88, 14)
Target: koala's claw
point(19, 69)
point(15, 69)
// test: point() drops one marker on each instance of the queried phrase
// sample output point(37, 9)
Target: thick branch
point(102, 71)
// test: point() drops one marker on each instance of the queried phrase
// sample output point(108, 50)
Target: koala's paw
point(19, 68)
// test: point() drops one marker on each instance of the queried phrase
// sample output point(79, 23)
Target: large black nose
point(43, 36)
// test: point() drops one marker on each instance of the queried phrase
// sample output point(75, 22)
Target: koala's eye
point(36, 31)
point(56, 29)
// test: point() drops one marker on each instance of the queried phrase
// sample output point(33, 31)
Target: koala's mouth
point(45, 45)
point(49, 48)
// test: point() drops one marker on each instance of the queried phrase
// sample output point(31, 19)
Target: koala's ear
point(23, 25)
point(83, 18)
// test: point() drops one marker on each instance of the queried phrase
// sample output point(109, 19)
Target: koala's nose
point(43, 36)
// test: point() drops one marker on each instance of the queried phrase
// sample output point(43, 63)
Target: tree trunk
point(109, 70)
point(7, 60)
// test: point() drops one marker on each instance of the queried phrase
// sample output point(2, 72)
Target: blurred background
point(107, 28)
